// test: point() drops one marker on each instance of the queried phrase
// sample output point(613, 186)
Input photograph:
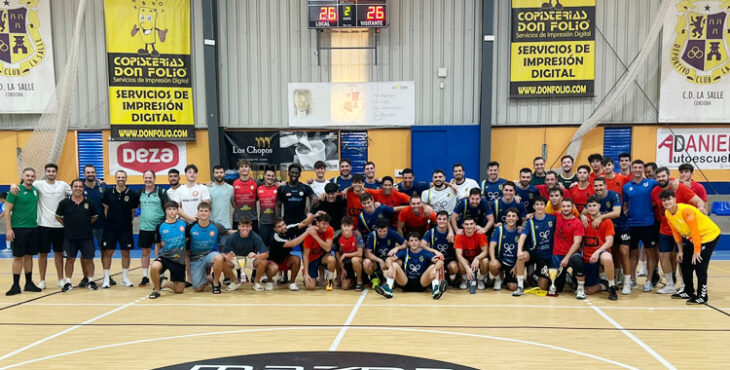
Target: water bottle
point(473, 286)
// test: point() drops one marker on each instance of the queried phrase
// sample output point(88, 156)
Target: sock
point(611, 283)
point(124, 274)
point(627, 279)
point(521, 281)
point(670, 279)
point(464, 277)
point(145, 273)
point(107, 275)
point(390, 282)
point(602, 276)
point(435, 283)
point(16, 279)
point(480, 277)
point(90, 278)
point(328, 275)
point(68, 280)
point(581, 284)
point(29, 278)
point(492, 277)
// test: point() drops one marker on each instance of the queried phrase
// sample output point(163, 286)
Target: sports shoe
point(612, 293)
point(481, 285)
point(15, 289)
point(330, 285)
point(462, 285)
point(30, 287)
point(439, 289)
point(42, 285)
point(127, 283)
point(227, 281)
point(667, 289)
point(697, 300)
point(269, 286)
point(154, 295)
point(634, 284)
point(648, 287)
point(112, 282)
point(61, 284)
point(293, 287)
point(263, 278)
point(580, 293)
point(188, 284)
point(682, 295)
point(384, 290)
point(233, 286)
point(216, 289)
point(626, 290)
point(84, 282)
point(498, 283)
point(67, 287)
point(145, 281)
point(258, 287)
point(92, 285)
point(358, 287)
point(106, 285)
point(518, 292)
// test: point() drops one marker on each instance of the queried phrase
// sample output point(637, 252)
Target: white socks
point(670, 280)
point(125, 272)
point(521, 281)
point(435, 283)
point(390, 281)
point(145, 273)
point(107, 274)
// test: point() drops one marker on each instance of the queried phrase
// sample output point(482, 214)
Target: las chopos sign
point(707, 147)
point(696, 62)
point(553, 48)
point(150, 82)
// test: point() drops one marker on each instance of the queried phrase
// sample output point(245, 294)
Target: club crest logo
point(21, 45)
point(700, 50)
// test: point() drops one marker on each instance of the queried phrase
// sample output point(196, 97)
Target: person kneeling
point(503, 251)
point(420, 268)
point(247, 245)
point(170, 249)
point(349, 246)
point(597, 244)
point(205, 237)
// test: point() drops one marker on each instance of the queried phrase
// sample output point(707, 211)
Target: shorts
point(283, 266)
point(71, 248)
point(645, 234)
point(313, 267)
point(349, 270)
point(508, 277)
point(112, 237)
point(541, 264)
point(413, 285)
point(146, 239)
point(667, 244)
point(98, 234)
point(48, 236)
point(177, 271)
point(199, 269)
point(590, 271)
point(622, 237)
point(26, 241)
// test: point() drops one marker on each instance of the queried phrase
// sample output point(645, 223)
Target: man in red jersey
point(471, 254)
point(597, 244)
point(416, 217)
point(244, 195)
point(569, 233)
point(348, 247)
point(614, 182)
point(582, 189)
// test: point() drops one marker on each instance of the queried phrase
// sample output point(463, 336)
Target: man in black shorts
point(152, 199)
point(441, 239)
point(170, 249)
point(21, 225)
point(77, 214)
point(421, 268)
point(120, 203)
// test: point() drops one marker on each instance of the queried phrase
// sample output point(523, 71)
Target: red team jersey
point(683, 194)
point(616, 184)
point(348, 245)
point(470, 246)
point(354, 206)
point(595, 238)
point(315, 251)
point(395, 199)
point(544, 192)
point(593, 176)
point(267, 200)
point(244, 194)
point(580, 196)
point(565, 230)
point(413, 222)
point(699, 189)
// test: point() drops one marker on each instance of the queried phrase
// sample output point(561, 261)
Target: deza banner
point(553, 48)
point(696, 43)
point(150, 81)
point(708, 148)
point(26, 56)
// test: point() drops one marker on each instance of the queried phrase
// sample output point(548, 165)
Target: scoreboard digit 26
point(348, 13)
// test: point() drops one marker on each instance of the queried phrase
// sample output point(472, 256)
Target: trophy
point(241, 266)
point(553, 274)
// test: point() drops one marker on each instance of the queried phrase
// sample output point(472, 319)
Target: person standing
point(190, 195)
point(319, 182)
point(292, 197)
point(567, 177)
point(94, 192)
point(463, 183)
point(21, 227)
point(77, 214)
point(637, 204)
point(492, 186)
point(525, 190)
point(685, 177)
point(624, 164)
point(370, 181)
point(120, 203)
point(244, 190)
point(538, 174)
point(173, 178)
point(221, 198)
point(582, 188)
point(442, 196)
point(343, 181)
point(267, 194)
point(595, 160)
point(409, 186)
point(152, 199)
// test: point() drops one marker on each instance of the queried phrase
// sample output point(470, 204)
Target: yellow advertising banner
point(150, 80)
point(552, 48)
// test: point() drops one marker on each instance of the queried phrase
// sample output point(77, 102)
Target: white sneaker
point(106, 284)
point(498, 283)
point(480, 284)
point(462, 285)
point(580, 293)
point(42, 284)
point(60, 284)
point(233, 286)
point(258, 287)
point(626, 290)
point(269, 286)
point(648, 287)
point(667, 289)
point(293, 287)
point(126, 282)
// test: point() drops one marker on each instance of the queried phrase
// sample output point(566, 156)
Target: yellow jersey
point(691, 224)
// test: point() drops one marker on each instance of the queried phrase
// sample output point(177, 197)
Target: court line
point(631, 336)
point(343, 330)
point(503, 339)
point(68, 330)
point(718, 310)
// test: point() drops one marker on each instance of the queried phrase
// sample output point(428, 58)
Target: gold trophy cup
point(553, 274)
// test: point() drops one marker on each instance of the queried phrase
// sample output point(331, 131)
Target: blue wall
point(440, 147)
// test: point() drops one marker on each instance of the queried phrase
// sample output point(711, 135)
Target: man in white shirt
point(442, 196)
point(173, 177)
point(463, 183)
point(190, 195)
point(318, 184)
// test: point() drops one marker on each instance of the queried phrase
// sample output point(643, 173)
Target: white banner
point(26, 56)
point(695, 85)
point(136, 157)
point(708, 148)
point(352, 104)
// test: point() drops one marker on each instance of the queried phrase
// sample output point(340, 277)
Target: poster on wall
point(150, 79)
point(553, 48)
point(281, 148)
point(136, 157)
point(695, 68)
point(707, 148)
point(27, 80)
point(390, 103)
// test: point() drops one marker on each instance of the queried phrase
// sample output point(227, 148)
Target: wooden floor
point(121, 328)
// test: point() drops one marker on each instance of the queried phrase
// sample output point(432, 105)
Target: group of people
point(588, 225)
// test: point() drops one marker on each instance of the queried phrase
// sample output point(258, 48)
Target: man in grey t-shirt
point(221, 198)
point(247, 244)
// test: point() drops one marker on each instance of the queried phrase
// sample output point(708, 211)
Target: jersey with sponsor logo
point(595, 238)
point(171, 237)
point(244, 195)
point(204, 240)
point(492, 190)
point(415, 263)
point(540, 235)
point(381, 246)
point(438, 240)
point(506, 239)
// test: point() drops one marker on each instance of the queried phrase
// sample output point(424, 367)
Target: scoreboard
point(348, 13)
